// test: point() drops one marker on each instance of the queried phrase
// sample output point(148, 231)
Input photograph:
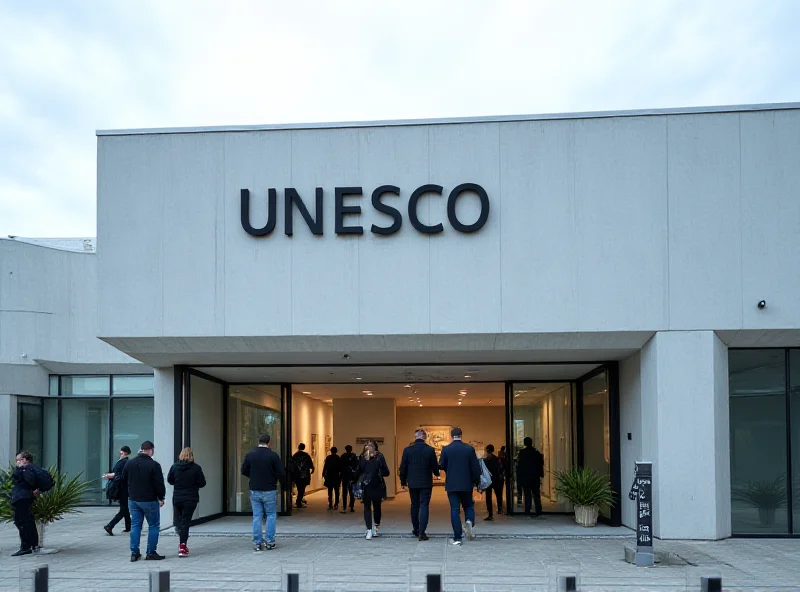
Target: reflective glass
point(133, 385)
point(132, 425)
point(84, 442)
point(30, 429)
point(794, 392)
point(85, 386)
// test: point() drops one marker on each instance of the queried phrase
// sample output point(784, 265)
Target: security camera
point(346, 356)
point(762, 304)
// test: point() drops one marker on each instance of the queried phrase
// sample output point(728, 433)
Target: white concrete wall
point(630, 422)
point(654, 223)
point(684, 423)
point(207, 442)
point(8, 433)
point(164, 430)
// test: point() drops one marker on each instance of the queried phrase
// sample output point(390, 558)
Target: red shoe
point(183, 550)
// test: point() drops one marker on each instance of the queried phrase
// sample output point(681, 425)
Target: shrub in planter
point(766, 496)
point(64, 498)
point(588, 491)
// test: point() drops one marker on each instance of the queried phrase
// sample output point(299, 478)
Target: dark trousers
point(331, 490)
point(123, 514)
point(372, 507)
point(301, 491)
point(533, 492)
point(420, 508)
point(23, 520)
point(347, 489)
point(182, 513)
point(497, 487)
point(458, 500)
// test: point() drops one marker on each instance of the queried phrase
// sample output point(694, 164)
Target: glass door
point(595, 425)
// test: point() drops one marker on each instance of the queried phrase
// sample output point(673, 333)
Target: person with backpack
point(332, 477)
point(530, 470)
point(349, 463)
point(495, 467)
point(187, 478)
point(28, 482)
point(372, 469)
point(302, 469)
point(117, 490)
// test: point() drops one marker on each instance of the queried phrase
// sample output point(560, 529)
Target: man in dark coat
point(265, 470)
point(146, 491)
point(120, 492)
point(417, 468)
point(530, 470)
point(332, 477)
point(349, 468)
point(460, 463)
point(23, 494)
point(302, 469)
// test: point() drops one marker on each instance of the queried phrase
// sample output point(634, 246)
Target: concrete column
point(684, 419)
point(8, 430)
point(163, 430)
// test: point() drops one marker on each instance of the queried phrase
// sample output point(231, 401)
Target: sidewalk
point(91, 561)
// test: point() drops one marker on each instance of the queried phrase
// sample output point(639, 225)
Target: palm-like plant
point(584, 487)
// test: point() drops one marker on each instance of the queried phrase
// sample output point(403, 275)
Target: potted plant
point(587, 490)
point(766, 496)
point(64, 498)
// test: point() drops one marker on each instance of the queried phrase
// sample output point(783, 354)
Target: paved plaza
point(332, 556)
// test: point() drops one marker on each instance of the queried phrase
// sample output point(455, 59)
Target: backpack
point(44, 480)
point(302, 470)
point(486, 476)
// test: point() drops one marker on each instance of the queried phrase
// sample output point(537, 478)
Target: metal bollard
point(568, 584)
point(159, 581)
point(40, 578)
point(712, 584)
point(293, 583)
point(434, 583)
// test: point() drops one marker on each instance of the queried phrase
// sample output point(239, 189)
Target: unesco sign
point(345, 215)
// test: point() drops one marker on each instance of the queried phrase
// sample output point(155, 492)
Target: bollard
point(293, 583)
point(713, 584)
point(434, 583)
point(40, 577)
point(159, 581)
point(568, 584)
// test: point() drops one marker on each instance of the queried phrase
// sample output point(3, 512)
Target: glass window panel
point(134, 385)
point(596, 427)
point(794, 390)
point(53, 386)
point(758, 441)
point(30, 428)
point(543, 412)
point(252, 410)
point(85, 386)
point(50, 435)
point(132, 425)
point(84, 442)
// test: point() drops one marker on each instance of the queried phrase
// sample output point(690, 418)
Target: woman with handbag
point(372, 469)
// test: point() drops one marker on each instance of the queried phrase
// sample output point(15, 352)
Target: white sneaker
point(376, 531)
point(457, 542)
point(470, 530)
point(369, 534)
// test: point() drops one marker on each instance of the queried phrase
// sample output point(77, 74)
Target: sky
point(69, 68)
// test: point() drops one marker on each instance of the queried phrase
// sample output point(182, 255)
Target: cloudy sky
point(68, 68)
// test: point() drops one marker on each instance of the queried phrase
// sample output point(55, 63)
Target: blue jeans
point(139, 511)
point(420, 503)
point(265, 507)
point(459, 499)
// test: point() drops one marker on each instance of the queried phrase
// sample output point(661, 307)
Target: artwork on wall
point(314, 448)
point(328, 444)
point(438, 437)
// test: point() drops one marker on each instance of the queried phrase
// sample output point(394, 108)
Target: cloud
point(69, 68)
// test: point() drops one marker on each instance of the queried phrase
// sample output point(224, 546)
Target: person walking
point(332, 477)
point(264, 468)
point(530, 470)
point(25, 488)
point(118, 491)
point(302, 469)
point(495, 467)
point(349, 467)
point(460, 463)
point(372, 469)
point(146, 491)
point(417, 468)
point(187, 478)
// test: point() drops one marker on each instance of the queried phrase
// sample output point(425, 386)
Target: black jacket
point(24, 482)
point(418, 465)
point(119, 477)
point(495, 468)
point(530, 466)
point(349, 466)
point(145, 479)
point(188, 478)
point(460, 463)
point(264, 468)
point(332, 471)
point(302, 467)
point(371, 473)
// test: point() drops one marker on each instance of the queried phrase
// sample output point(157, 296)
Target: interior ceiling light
point(459, 402)
point(420, 404)
point(407, 386)
point(369, 394)
point(304, 392)
point(358, 378)
point(463, 392)
point(467, 376)
point(366, 392)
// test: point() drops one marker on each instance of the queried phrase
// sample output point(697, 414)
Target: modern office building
point(618, 286)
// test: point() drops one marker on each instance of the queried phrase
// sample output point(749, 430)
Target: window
point(129, 386)
point(132, 423)
point(84, 442)
point(85, 386)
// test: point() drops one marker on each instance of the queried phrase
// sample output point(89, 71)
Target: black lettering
point(292, 197)
point(343, 210)
point(385, 209)
point(412, 209)
point(451, 207)
point(270, 225)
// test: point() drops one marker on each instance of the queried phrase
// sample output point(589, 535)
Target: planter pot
point(766, 516)
point(40, 528)
point(586, 515)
